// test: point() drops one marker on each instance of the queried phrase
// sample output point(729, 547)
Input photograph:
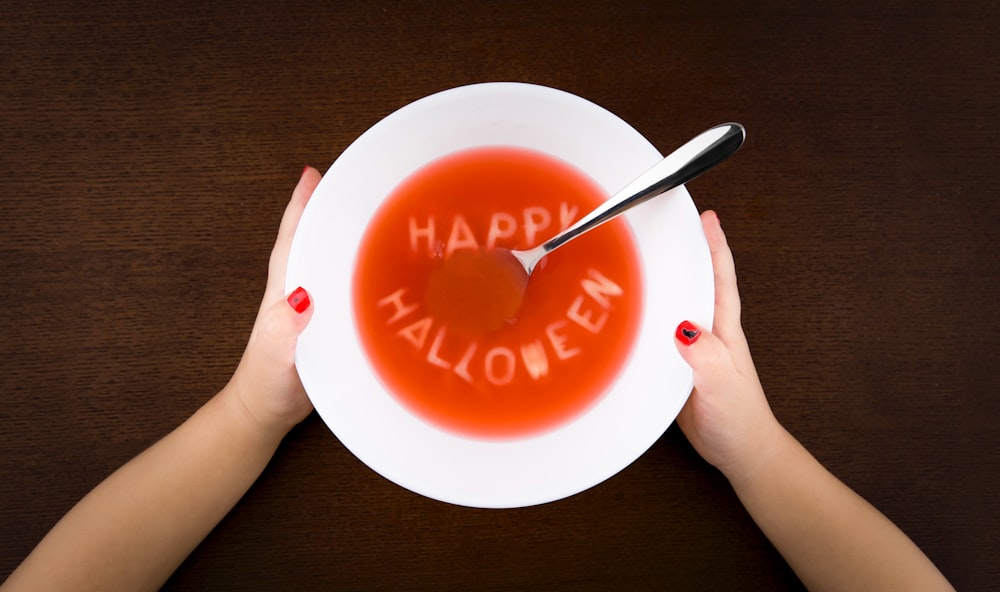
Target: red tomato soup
point(546, 363)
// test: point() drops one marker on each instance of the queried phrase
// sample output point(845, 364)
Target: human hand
point(727, 418)
point(266, 381)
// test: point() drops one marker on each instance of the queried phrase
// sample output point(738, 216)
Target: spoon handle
point(682, 165)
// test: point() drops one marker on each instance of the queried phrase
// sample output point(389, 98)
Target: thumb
point(280, 324)
point(299, 303)
point(266, 379)
point(712, 364)
point(707, 355)
point(295, 312)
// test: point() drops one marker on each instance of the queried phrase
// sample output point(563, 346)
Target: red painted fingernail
point(687, 333)
point(304, 169)
point(299, 300)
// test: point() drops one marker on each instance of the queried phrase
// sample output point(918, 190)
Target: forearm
point(138, 525)
point(830, 536)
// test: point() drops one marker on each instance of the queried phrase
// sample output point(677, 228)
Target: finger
point(293, 211)
point(727, 295)
point(727, 325)
point(286, 232)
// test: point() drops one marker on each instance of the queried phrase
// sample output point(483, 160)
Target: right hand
point(727, 418)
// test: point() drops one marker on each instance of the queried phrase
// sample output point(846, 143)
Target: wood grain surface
point(147, 150)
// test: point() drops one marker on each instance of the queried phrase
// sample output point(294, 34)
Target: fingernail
point(687, 333)
point(299, 300)
point(304, 169)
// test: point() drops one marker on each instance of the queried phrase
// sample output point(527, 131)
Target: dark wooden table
point(147, 150)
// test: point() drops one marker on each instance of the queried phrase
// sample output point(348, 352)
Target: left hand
point(266, 381)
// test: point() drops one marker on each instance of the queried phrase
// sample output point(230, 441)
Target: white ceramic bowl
point(649, 391)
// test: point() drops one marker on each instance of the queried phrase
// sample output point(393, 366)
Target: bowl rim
point(650, 389)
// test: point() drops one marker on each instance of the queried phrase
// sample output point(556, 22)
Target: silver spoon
point(505, 272)
point(695, 157)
